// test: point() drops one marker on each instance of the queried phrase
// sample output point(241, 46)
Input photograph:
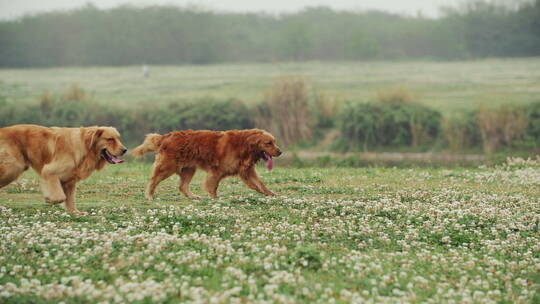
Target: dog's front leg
point(246, 178)
point(253, 181)
point(70, 190)
point(262, 187)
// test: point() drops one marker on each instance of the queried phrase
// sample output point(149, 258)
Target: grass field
point(330, 236)
point(447, 86)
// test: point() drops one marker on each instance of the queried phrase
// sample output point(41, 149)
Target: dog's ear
point(91, 136)
point(253, 139)
point(99, 132)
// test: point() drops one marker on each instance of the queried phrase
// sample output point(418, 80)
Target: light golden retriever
point(220, 154)
point(61, 157)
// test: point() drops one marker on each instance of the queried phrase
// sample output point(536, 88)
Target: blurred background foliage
point(129, 35)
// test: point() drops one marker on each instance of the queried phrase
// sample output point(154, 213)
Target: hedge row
point(366, 126)
point(387, 124)
point(132, 123)
point(362, 126)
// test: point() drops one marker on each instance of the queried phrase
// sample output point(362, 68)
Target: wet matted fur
point(61, 157)
point(219, 153)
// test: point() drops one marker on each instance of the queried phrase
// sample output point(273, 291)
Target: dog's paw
point(54, 201)
point(78, 212)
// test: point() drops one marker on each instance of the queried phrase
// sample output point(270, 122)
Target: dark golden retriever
point(220, 154)
point(61, 157)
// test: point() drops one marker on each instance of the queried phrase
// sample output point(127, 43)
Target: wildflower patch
point(331, 235)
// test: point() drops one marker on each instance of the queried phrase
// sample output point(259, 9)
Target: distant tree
point(361, 45)
point(296, 41)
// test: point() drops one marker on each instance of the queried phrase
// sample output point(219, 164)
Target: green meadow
point(446, 86)
point(331, 235)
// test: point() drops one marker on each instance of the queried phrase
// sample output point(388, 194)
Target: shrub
point(501, 127)
point(285, 112)
point(425, 123)
point(388, 124)
point(324, 110)
point(462, 131)
point(202, 114)
point(532, 113)
point(46, 101)
point(12, 114)
point(74, 93)
point(358, 126)
point(72, 113)
point(16, 113)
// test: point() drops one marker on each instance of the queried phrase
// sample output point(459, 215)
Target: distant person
point(146, 71)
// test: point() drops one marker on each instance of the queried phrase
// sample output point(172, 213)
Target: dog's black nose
point(279, 153)
point(124, 151)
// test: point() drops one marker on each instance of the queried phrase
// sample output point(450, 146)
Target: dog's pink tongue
point(269, 161)
point(116, 160)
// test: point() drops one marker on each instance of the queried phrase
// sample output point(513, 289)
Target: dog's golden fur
point(220, 154)
point(61, 157)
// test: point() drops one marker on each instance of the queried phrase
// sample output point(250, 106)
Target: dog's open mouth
point(110, 158)
point(269, 161)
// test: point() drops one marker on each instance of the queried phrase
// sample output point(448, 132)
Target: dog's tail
point(150, 144)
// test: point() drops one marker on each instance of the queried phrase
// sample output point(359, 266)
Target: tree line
point(129, 35)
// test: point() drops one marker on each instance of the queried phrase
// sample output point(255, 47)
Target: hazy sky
point(14, 8)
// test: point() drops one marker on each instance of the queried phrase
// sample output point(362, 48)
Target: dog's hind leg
point(162, 170)
point(9, 173)
point(186, 174)
point(11, 167)
point(212, 182)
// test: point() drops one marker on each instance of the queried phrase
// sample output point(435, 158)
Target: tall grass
point(286, 111)
point(46, 101)
point(533, 123)
point(74, 92)
point(325, 108)
point(461, 132)
point(501, 126)
point(394, 94)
